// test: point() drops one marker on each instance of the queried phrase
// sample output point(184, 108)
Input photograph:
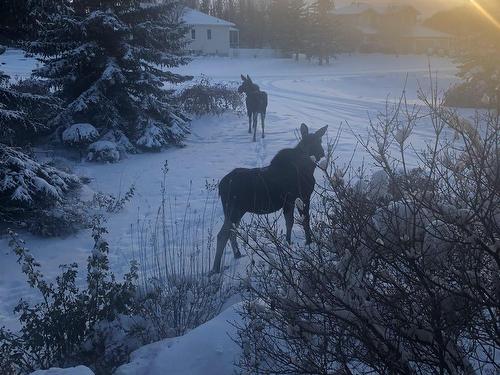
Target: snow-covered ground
point(209, 349)
point(350, 89)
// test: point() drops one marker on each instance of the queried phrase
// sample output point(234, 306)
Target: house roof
point(194, 17)
point(358, 7)
point(419, 31)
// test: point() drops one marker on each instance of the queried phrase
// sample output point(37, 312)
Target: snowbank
point(207, 350)
point(78, 370)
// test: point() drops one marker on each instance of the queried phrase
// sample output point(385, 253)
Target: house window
point(233, 39)
point(193, 34)
point(209, 34)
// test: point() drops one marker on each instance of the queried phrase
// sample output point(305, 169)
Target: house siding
point(219, 44)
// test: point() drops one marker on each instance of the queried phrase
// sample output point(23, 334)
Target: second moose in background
point(256, 102)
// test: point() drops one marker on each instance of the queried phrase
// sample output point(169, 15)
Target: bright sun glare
point(483, 11)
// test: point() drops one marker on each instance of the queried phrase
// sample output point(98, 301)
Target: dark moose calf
point(265, 190)
point(256, 102)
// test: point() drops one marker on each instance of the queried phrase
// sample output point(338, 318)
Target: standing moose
point(256, 102)
point(265, 190)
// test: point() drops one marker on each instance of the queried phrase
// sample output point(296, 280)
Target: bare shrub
point(175, 257)
point(404, 273)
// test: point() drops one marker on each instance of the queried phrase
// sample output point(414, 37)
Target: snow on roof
point(419, 31)
point(194, 17)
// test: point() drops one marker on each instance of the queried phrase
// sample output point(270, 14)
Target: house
point(392, 28)
point(210, 35)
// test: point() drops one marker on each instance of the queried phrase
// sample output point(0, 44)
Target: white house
point(210, 35)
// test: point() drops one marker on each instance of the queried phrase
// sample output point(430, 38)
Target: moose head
point(247, 85)
point(310, 143)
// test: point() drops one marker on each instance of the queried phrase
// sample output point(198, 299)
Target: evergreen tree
point(23, 19)
point(230, 10)
point(218, 8)
point(193, 4)
point(106, 62)
point(321, 33)
point(287, 25)
point(252, 21)
point(23, 113)
point(205, 6)
point(480, 52)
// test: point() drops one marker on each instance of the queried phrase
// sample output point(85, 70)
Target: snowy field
point(350, 89)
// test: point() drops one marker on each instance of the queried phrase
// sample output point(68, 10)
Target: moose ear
point(248, 77)
point(321, 132)
point(304, 130)
point(243, 78)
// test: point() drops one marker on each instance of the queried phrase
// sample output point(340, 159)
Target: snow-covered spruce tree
point(404, 273)
point(24, 114)
point(27, 187)
point(107, 62)
point(22, 20)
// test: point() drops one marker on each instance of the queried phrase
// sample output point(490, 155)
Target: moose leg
point(250, 123)
point(288, 213)
point(306, 223)
point(255, 118)
point(222, 238)
point(234, 243)
point(262, 118)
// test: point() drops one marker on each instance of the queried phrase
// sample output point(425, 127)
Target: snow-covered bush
point(103, 151)
point(210, 98)
point(71, 325)
point(406, 284)
point(121, 141)
point(154, 136)
point(80, 135)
